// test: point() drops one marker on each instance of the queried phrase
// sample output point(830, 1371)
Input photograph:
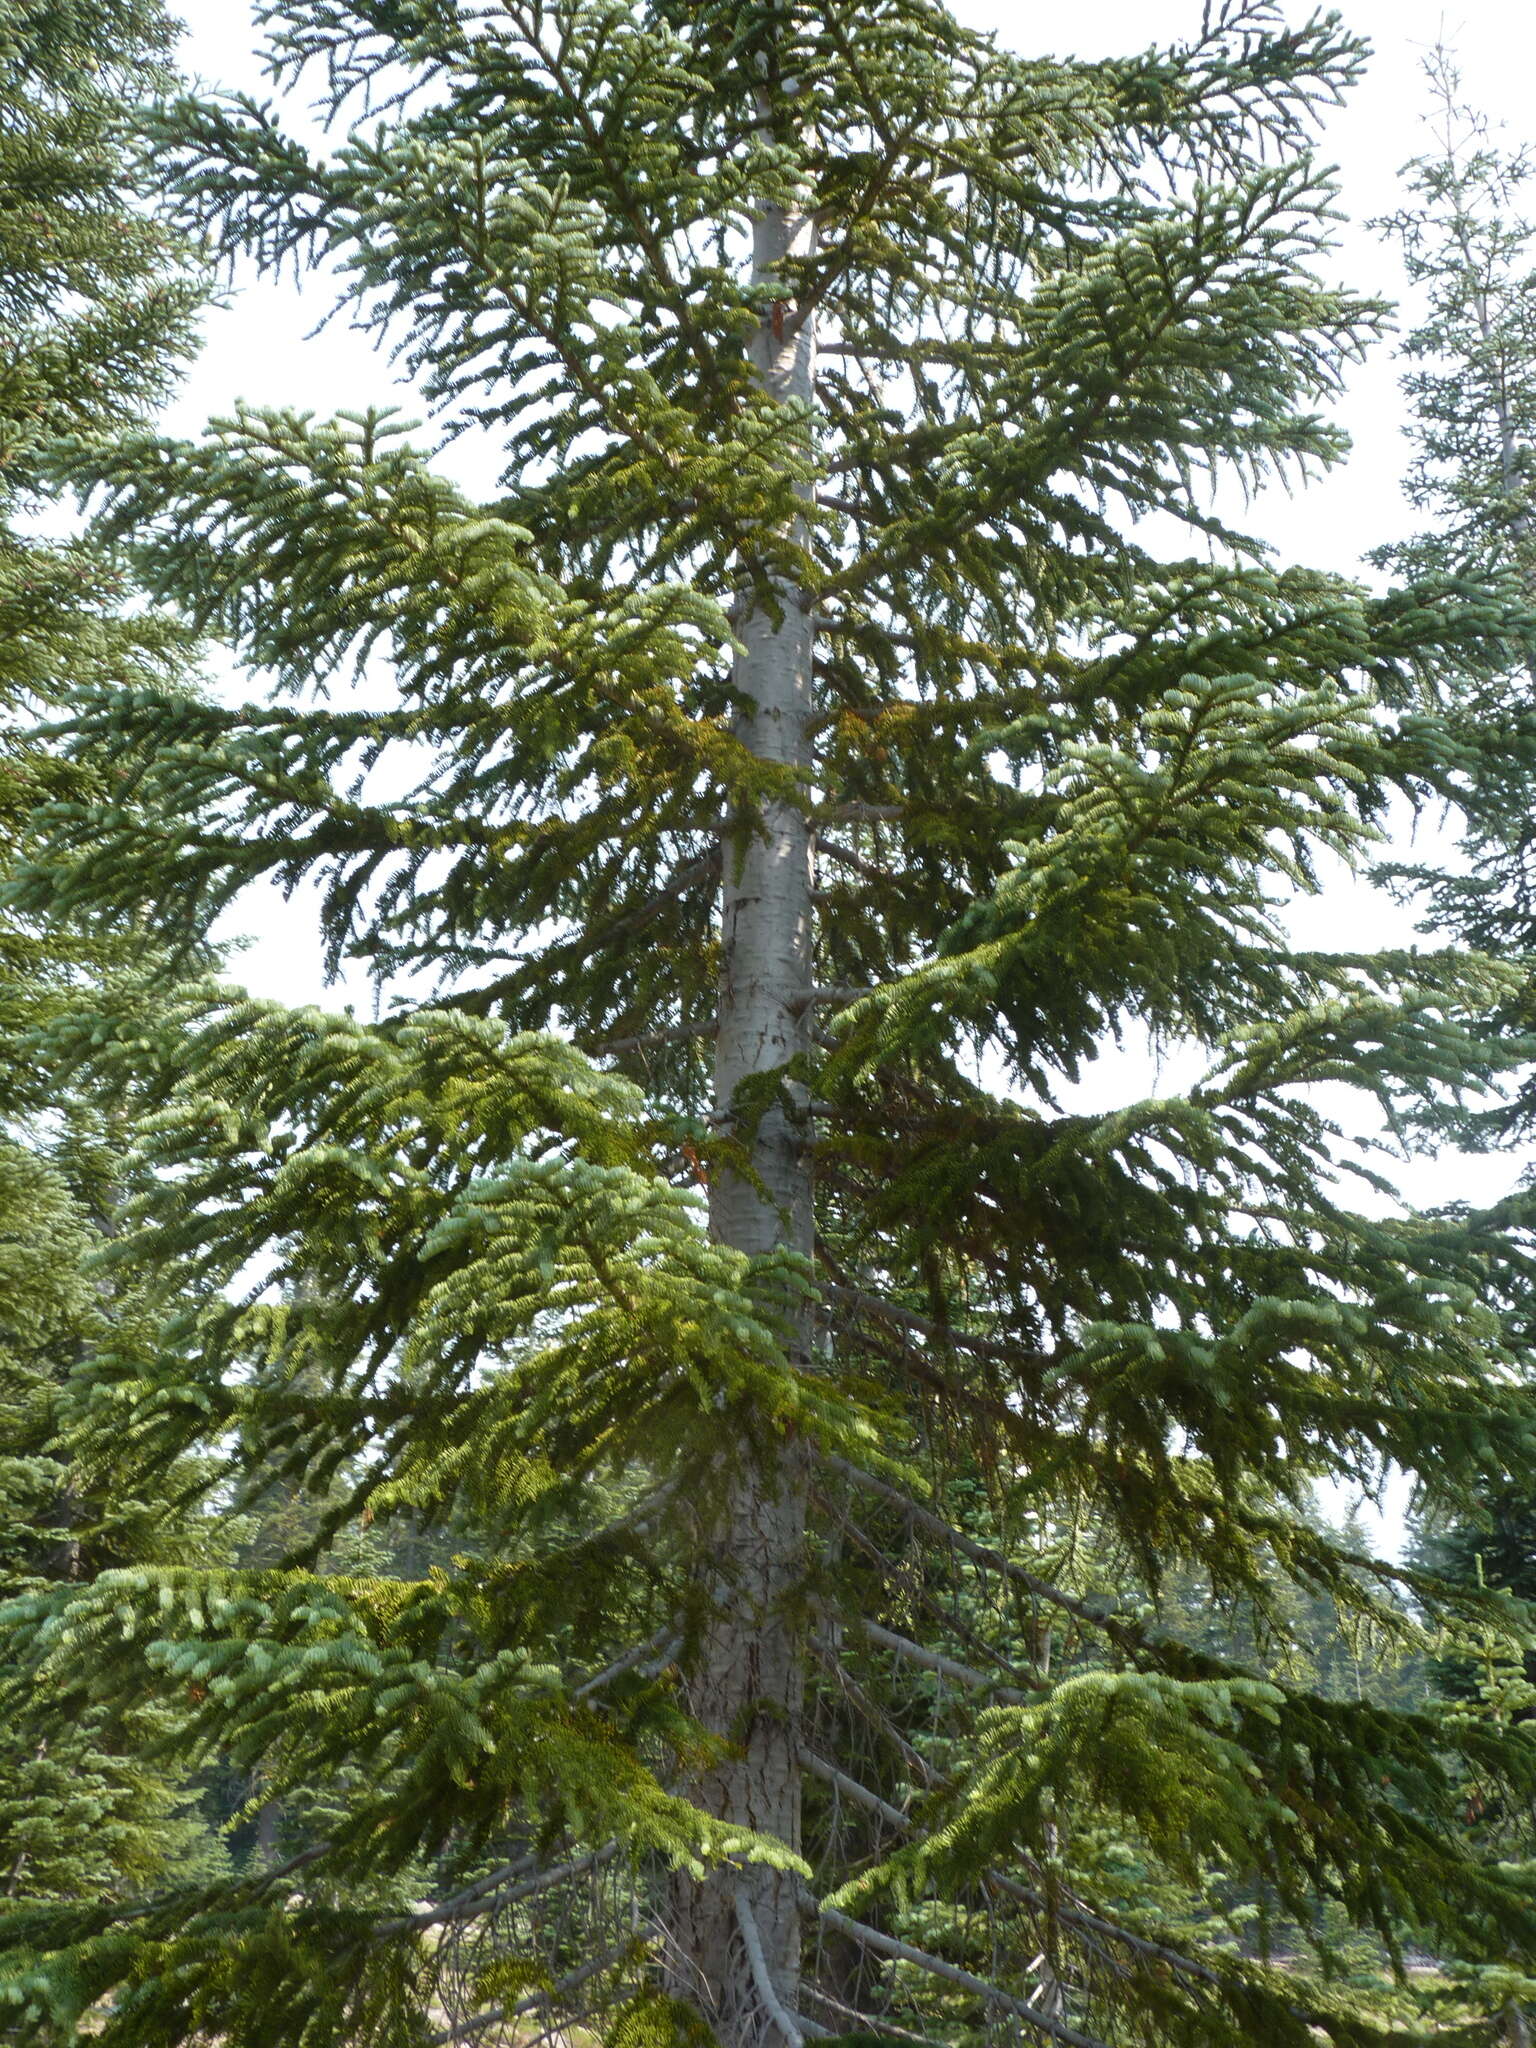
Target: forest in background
point(674, 1484)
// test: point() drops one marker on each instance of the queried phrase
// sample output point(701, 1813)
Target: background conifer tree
point(1468, 243)
point(94, 313)
point(765, 807)
point(1468, 246)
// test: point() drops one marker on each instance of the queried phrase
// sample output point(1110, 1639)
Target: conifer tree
point(848, 714)
point(1468, 243)
point(1468, 247)
point(94, 312)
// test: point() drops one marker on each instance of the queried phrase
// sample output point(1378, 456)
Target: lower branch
point(947, 1667)
point(993, 1994)
point(486, 1895)
point(850, 1788)
point(794, 2030)
point(466, 2030)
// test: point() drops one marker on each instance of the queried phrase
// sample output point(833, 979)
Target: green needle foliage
point(96, 310)
point(850, 713)
point(1468, 242)
point(94, 314)
point(1471, 389)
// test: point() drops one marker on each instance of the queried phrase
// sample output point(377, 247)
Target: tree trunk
point(748, 1685)
point(268, 1844)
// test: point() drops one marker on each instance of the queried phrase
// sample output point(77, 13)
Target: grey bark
point(268, 1821)
point(748, 1683)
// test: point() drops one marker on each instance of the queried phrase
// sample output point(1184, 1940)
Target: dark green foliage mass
point(94, 312)
point(824, 349)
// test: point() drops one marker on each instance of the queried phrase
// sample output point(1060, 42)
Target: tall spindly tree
point(1469, 247)
point(849, 713)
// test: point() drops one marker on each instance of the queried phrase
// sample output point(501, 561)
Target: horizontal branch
point(858, 814)
point(649, 1041)
point(836, 995)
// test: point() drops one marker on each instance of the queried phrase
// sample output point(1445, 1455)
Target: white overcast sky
point(260, 348)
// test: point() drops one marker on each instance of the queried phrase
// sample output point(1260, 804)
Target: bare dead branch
point(792, 2028)
point(850, 1788)
point(993, 1994)
point(947, 1667)
point(466, 2030)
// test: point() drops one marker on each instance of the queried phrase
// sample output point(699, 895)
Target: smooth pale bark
point(748, 1685)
